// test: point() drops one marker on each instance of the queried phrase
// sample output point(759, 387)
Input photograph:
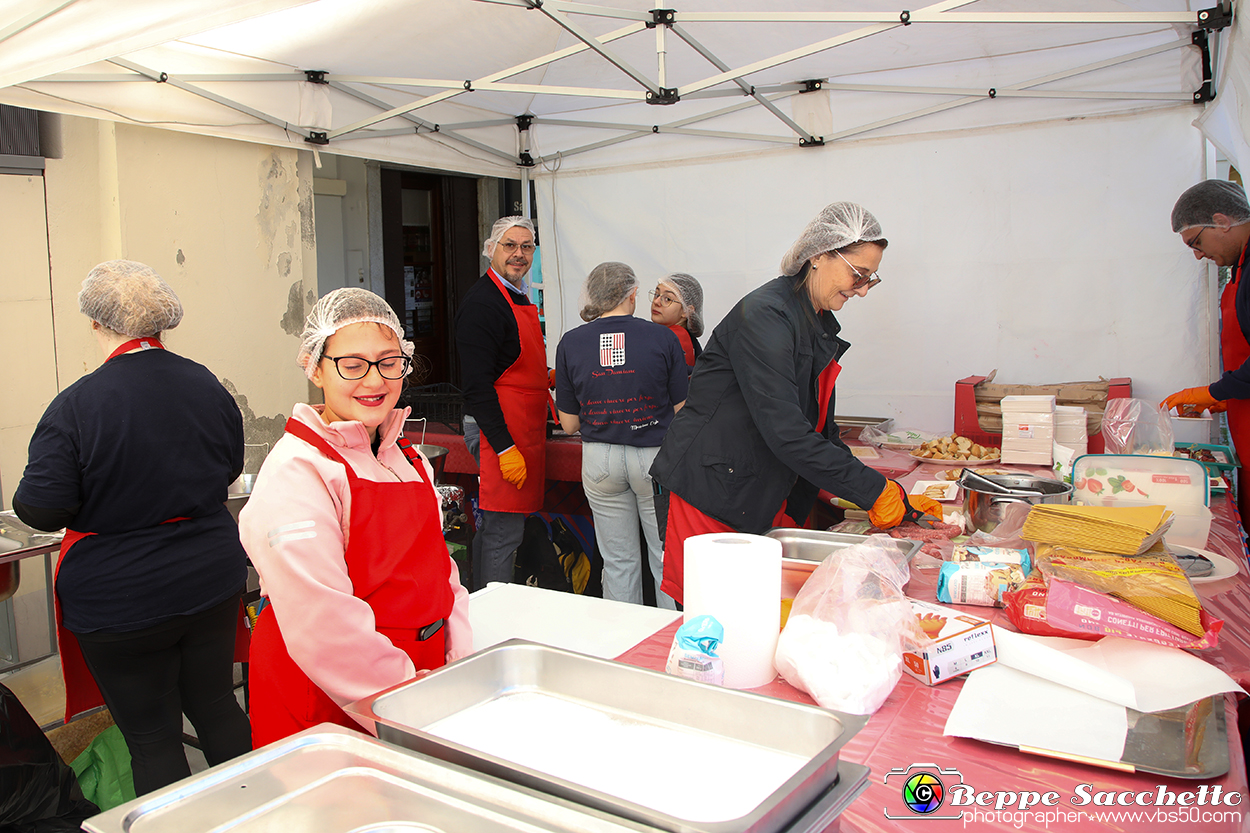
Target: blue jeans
point(618, 489)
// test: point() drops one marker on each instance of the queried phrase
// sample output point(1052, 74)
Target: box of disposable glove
point(952, 643)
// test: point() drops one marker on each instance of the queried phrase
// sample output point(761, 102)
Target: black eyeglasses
point(1193, 244)
point(352, 368)
point(862, 281)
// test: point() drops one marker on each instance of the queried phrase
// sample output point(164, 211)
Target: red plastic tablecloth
point(907, 730)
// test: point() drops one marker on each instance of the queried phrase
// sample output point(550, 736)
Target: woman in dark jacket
point(756, 439)
point(134, 459)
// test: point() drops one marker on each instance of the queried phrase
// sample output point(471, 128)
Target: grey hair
point(1200, 203)
point(607, 287)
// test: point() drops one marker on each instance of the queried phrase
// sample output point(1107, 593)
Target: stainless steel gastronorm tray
point(649, 701)
point(814, 545)
point(331, 780)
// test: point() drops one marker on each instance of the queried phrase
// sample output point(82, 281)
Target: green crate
point(1229, 463)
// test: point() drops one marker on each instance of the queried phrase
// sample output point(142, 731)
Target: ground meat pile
point(931, 537)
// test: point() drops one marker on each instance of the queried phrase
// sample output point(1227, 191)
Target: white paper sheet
point(1128, 672)
point(1002, 705)
point(1075, 693)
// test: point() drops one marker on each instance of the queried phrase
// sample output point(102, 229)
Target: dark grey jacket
point(746, 442)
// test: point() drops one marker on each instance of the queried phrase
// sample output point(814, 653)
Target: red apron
point(81, 691)
point(687, 346)
point(684, 520)
point(1234, 350)
point(397, 563)
point(522, 390)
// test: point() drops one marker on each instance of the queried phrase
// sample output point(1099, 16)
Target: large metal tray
point(673, 717)
point(814, 545)
point(331, 780)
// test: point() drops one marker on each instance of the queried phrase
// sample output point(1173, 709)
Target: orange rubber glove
point(893, 503)
point(1199, 397)
point(551, 379)
point(512, 466)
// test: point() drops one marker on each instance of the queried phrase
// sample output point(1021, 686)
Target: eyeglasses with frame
point(510, 246)
point(862, 281)
point(353, 368)
point(1195, 241)
point(664, 298)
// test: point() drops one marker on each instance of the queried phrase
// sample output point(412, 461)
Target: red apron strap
point(824, 391)
point(146, 343)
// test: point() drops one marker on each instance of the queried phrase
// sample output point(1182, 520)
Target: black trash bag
point(38, 791)
point(537, 562)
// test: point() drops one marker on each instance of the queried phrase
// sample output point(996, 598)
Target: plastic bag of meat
point(843, 641)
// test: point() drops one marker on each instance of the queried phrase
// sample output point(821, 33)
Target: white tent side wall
point(1043, 251)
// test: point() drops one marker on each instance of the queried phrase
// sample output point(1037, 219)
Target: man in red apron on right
point(503, 363)
point(1213, 219)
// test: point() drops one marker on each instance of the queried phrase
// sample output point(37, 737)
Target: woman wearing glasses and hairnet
point(756, 439)
point(134, 460)
point(677, 303)
point(346, 531)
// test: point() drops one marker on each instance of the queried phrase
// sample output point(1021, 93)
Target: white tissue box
point(959, 643)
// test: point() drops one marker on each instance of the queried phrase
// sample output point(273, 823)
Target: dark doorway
point(429, 231)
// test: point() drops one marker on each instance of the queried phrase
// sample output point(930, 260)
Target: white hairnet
point(1200, 203)
point(129, 298)
point(501, 226)
point(607, 285)
point(837, 226)
point(341, 308)
point(690, 293)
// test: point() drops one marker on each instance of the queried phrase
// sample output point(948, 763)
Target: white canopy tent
point(1022, 160)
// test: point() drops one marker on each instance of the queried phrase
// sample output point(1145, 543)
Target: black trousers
point(151, 677)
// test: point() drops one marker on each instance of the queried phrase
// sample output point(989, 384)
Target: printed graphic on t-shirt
point(611, 349)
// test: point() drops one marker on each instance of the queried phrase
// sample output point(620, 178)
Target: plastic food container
point(1180, 484)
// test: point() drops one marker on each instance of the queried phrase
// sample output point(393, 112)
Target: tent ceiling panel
point(399, 71)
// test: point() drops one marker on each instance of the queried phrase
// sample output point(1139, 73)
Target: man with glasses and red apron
point(1213, 219)
point(503, 364)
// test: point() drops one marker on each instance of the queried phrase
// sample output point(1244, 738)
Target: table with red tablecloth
point(907, 730)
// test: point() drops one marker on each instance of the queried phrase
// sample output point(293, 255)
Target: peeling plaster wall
point(228, 224)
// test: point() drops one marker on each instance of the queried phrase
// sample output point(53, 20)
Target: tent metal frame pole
point(745, 87)
point(495, 76)
point(577, 8)
point(937, 108)
point(37, 16)
point(1001, 92)
point(164, 78)
point(812, 49)
point(419, 123)
point(641, 131)
point(931, 16)
point(587, 38)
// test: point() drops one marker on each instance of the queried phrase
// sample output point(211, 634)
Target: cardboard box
point(960, 643)
point(975, 394)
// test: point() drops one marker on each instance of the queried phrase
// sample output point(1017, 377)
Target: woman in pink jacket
point(345, 529)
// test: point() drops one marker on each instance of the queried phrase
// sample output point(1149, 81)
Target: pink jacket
point(295, 528)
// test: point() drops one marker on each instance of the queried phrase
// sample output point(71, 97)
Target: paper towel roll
point(737, 579)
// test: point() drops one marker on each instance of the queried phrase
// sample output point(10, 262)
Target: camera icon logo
point(924, 789)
